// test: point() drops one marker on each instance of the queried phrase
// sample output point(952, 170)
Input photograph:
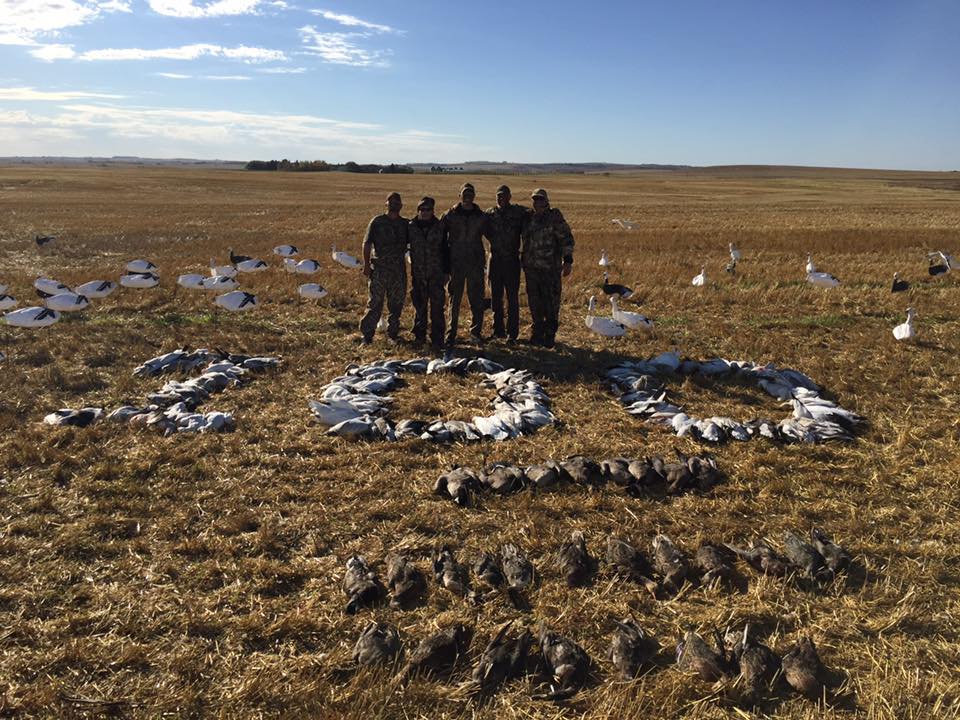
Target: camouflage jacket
point(388, 239)
point(464, 232)
point(503, 229)
point(547, 241)
point(429, 251)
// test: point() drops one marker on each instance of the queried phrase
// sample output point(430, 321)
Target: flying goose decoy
point(140, 280)
point(7, 302)
point(286, 250)
point(905, 331)
point(222, 270)
point(236, 301)
point(312, 291)
point(610, 288)
point(898, 284)
point(735, 254)
point(307, 267)
point(140, 266)
point(43, 240)
point(219, 282)
point(32, 317)
point(96, 289)
point(191, 282)
point(345, 259)
point(630, 319)
point(701, 279)
point(624, 224)
point(66, 302)
point(607, 327)
point(604, 259)
point(49, 286)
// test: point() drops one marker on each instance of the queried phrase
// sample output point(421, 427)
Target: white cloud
point(283, 70)
point(226, 77)
point(21, 94)
point(352, 21)
point(190, 9)
point(173, 76)
point(341, 48)
point(25, 22)
point(186, 52)
point(53, 52)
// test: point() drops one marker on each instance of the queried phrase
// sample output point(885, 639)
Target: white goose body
point(223, 270)
point(67, 302)
point(312, 291)
point(32, 317)
point(252, 265)
point(607, 327)
point(625, 224)
point(307, 267)
point(140, 280)
point(735, 254)
point(822, 279)
point(219, 282)
point(345, 259)
point(604, 259)
point(286, 250)
point(290, 265)
point(49, 286)
point(811, 268)
point(905, 330)
point(237, 301)
point(96, 289)
point(630, 319)
point(193, 281)
point(7, 302)
point(701, 279)
point(140, 266)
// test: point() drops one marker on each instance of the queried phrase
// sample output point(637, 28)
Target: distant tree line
point(323, 166)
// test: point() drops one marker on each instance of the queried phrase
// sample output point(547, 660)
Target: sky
point(873, 84)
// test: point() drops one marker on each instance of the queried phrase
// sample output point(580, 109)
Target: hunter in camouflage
point(463, 226)
point(384, 250)
point(547, 255)
point(503, 229)
point(429, 273)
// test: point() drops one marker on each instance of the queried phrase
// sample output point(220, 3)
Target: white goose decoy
point(96, 289)
point(286, 250)
point(236, 301)
point(67, 302)
point(822, 279)
point(32, 317)
point(811, 268)
point(345, 259)
point(140, 280)
point(601, 325)
point(630, 319)
point(219, 282)
point(625, 224)
point(735, 254)
point(701, 279)
point(7, 302)
point(192, 281)
point(252, 265)
point(140, 266)
point(604, 259)
point(307, 267)
point(51, 287)
point(905, 330)
point(312, 291)
point(222, 270)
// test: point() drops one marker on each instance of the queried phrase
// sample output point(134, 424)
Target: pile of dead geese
point(355, 405)
point(639, 478)
point(173, 408)
point(510, 575)
point(815, 419)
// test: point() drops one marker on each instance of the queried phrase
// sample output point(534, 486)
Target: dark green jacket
point(429, 251)
point(503, 229)
point(547, 241)
point(463, 230)
point(388, 238)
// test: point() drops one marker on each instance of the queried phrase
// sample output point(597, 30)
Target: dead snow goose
point(345, 259)
point(7, 302)
point(312, 291)
point(307, 267)
point(286, 250)
point(223, 270)
point(96, 289)
point(140, 280)
point(905, 330)
point(219, 282)
point(49, 286)
point(140, 266)
point(701, 279)
point(601, 325)
point(192, 281)
point(333, 413)
point(78, 418)
point(236, 301)
point(630, 319)
point(32, 317)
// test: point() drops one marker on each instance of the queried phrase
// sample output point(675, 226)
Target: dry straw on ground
point(199, 576)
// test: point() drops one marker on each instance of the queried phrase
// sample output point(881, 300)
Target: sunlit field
point(199, 575)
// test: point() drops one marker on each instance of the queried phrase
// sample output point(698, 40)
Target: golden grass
point(199, 576)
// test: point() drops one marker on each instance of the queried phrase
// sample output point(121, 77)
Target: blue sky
point(855, 84)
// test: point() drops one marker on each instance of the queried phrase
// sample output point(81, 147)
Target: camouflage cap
point(467, 186)
point(541, 193)
point(503, 190)
point(426, 203)
point(393, 195)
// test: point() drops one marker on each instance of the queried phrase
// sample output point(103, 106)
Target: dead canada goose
point(437, 654)
point(503, 659)
point(378, 644)
point(806, 557)
point(803, 669)
point(630, 648)
point(567, 663)
point(628, 562)
point(405, 581)
point(449, 573)
point(694, 655)
point(671, 564)
point(574, 561)
point(360, 585)
point(762, 558)
point(758, 665)
point(836, 557)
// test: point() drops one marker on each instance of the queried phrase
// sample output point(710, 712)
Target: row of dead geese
point(173, 408)
point(354, 405)
point(638, 477)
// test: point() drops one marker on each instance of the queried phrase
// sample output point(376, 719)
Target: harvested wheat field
point(200, 574)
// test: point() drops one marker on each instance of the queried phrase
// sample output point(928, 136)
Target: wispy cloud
point(225, 77)
point(53, 51)
point(242, 53)
point(173, 76)
point(352, 21)
point(283, 70)
point(28, 94)
point(181, 76)
point(341, 48)
point(193, 9)
point(28, 22)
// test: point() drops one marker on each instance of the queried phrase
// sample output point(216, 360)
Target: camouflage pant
point(423, 292)
point(543, 296)
point(390, 282)
point(474, 281)
point(505, 279)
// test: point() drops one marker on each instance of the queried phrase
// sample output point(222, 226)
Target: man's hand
point(367, 271)
point(567, 269)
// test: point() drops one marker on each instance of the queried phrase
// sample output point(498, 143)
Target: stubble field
point(200, 575)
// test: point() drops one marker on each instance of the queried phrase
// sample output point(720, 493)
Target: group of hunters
point(448, 254)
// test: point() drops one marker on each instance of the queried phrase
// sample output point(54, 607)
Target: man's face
point(539, 204)
point(425, 213)
point(394, 204)
point(503, 199)
point(467, 197)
